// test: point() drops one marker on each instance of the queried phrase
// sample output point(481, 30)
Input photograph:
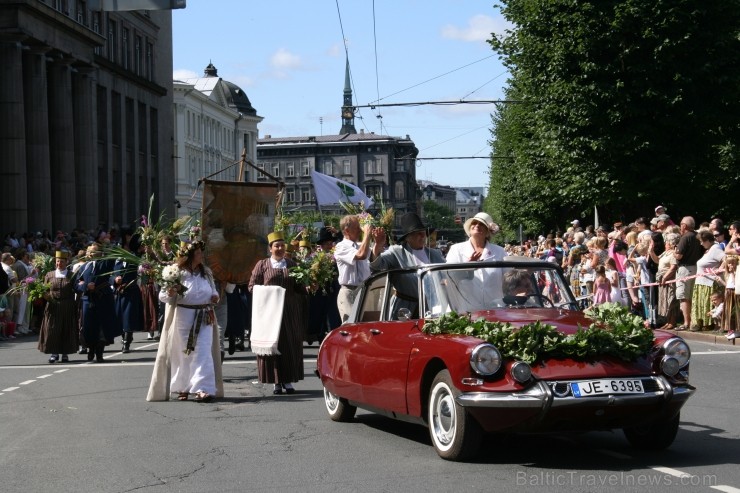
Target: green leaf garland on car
point(614, 332)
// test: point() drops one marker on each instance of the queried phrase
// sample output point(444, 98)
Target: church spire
point(348, 110)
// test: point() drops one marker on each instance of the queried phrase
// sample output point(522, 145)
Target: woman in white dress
point(189, 344)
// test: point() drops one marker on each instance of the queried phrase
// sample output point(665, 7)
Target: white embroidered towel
point(267, 317)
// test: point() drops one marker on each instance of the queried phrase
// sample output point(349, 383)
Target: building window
point(373, 167)
point(126, 48)
point(290, 169)
point(346, 167)
point(328, 167)
point(137, 56)
point(150, 61)
point(275, 170)
point(305, 171)
point(400, 166)
point(290, 196)
point(82, 12)
point(373, 191)
point(261, 176)
point(400, 190)
point(305, 194)
point(112, 40)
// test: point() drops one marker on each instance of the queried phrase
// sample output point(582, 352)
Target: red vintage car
point(461, 386)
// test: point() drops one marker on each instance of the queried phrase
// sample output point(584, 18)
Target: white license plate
point(605, 387)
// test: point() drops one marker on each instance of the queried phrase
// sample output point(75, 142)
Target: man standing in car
point(351, 255)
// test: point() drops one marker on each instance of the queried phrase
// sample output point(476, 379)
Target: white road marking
point(10, 389)
point(672, 472)
point(725, 488)
point(44, 376)
point(62, 371)
point(713, 352)
point(26, 382)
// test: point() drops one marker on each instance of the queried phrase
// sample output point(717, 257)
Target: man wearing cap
point(351, 255)
point(411, 251)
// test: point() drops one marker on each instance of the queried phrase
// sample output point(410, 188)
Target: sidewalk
point(709, 337)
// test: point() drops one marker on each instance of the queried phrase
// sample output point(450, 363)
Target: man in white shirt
point(351, 255)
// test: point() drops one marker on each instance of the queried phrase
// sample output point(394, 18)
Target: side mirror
point(403, 314)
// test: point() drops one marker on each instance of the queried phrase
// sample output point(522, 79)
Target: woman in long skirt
point(59, 326)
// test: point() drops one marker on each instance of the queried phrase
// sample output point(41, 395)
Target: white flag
point(330, 190)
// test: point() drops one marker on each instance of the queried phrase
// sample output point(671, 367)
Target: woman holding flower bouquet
point(278, 344)
point(189, 348)
point(59, 326)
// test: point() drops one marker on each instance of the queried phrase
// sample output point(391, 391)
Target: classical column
point(86, 169)
point(37, 138)
point(13, 193)
point(62, 145)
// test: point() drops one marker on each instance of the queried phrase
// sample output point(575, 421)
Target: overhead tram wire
point(433, 78)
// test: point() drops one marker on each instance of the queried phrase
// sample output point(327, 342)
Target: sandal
point(182, 396)
point(203, 397)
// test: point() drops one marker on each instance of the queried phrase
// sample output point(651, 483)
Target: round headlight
point(521, 372)
point(669, 365)
point(677, 348)
point(485, 359)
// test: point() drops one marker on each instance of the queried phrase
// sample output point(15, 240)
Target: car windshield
point(472, 288)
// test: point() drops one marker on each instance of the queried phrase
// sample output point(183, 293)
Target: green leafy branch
point(613, 332)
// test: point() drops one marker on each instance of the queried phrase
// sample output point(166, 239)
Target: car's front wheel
point(653, 436)
point(455, 435)
point(339, 409)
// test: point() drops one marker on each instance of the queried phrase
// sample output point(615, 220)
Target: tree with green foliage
point(622, 105)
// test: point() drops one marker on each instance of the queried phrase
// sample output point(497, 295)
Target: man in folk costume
point(98, 327)
point(412, 251)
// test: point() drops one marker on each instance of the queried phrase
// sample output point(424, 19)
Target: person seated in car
point(517, 287)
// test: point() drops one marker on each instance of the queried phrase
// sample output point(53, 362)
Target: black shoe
point(289, 390)
point(277, 390)
point(232, 345)
point(99, 359)
point(90, 355)
point(65, 358)
point(53, 358)
point(239, 346)
point(83, 350)
point(126, 348)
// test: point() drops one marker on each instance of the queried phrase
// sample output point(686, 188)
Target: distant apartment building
point(214, 123)
point(468, 202)
point(441, 194)
point(86, 120)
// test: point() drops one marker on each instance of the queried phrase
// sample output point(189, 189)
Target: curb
point(708, 337)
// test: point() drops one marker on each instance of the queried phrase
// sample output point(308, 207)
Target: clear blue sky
point(289, 57)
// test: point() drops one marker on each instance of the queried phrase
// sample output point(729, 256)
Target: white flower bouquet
point(171, 277)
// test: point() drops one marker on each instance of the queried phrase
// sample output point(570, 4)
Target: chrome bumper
point(541, 396)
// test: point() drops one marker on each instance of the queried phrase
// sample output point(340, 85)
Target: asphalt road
point(80, 426)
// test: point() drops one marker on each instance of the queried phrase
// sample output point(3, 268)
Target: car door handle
point(344, 332)
point(375, 331)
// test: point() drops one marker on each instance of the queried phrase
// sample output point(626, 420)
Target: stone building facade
point(214, 123)
point(85, 115)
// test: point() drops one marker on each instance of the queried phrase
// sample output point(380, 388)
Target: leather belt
point(348, 286)
point(194, 307)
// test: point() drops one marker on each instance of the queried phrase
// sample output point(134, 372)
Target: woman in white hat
point(479, 229)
